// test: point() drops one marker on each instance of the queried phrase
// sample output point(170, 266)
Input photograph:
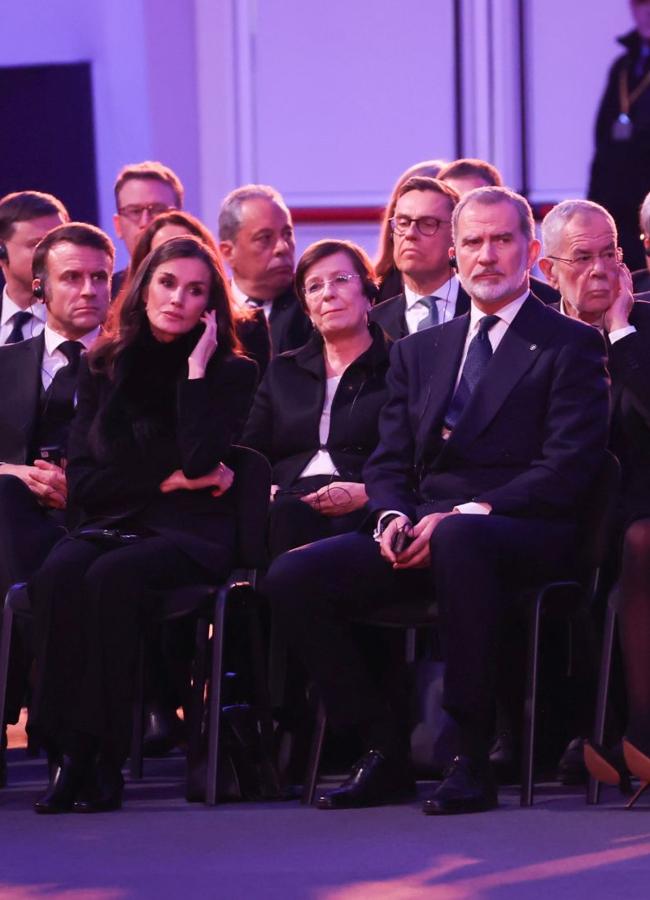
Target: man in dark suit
point(257, 241)
point(421, 234)
point(142, 191)
point(72, 269)
point(25, 217)
point(493, 429)
point(582, 260)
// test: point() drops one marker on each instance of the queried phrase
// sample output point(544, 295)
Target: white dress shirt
point(613, 336)
point(31, 329)
point(321, 462)
point(240, 298)
point(446, 297)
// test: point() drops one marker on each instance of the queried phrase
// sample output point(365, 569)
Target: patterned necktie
point(479, 354)
point(16, 334)
point(431, 317)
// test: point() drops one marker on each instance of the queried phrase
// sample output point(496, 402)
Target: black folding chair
point(208, 604)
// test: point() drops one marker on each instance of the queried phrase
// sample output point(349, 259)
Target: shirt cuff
point(621, 333)
point(472, 509)
point(383, 521)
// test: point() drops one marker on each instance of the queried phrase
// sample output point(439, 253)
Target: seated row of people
point(517, 437)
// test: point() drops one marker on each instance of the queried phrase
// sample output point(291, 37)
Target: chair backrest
point(252, 487)
point(596, 517)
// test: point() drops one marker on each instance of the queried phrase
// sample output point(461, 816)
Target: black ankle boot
point(65, 780)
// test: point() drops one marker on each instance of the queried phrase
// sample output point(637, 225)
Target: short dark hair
point(321, 250)
point(79, 233)
point(150, 170)
point(462, 168)
point(230, 214)
point(23, 206)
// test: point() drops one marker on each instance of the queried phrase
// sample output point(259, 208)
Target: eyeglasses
point(583, 261)
point(133, 212)
point(317, 287)
point(426, 225)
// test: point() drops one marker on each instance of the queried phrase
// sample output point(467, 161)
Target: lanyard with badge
point(623, 127)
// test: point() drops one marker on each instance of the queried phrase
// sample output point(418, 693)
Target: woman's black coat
point(114, 480)
point(284, 421)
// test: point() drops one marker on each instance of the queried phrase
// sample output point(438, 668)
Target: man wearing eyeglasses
point(584, 262)
point(421, 234)
point(142, 191)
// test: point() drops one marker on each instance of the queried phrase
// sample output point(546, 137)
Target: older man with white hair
point(585, 264)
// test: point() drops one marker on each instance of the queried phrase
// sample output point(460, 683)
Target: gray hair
point(644, 216)
point(559, 217)
point(490, 196)
point(230, 214)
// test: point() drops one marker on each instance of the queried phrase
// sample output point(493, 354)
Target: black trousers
point(478, 564)
point(90, 604)
point(28, 531)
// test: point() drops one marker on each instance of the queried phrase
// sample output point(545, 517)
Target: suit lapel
point(22, 398)
point(462, 301)
point(517, 352)
point(440, 356)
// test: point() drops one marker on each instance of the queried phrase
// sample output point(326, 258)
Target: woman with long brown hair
point(160, 401)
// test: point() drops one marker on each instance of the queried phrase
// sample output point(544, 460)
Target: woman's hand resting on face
point(205, 346)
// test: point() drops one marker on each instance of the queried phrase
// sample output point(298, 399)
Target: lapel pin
point(533, 347)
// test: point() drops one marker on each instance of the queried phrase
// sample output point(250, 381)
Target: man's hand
point(417, 554)
point(618, 315)
point(337, 498)
point(220, 479)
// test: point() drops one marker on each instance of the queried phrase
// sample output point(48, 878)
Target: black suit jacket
point(283, 423)
point(390, 315)
point(529, 440)
point(289, 324)
point(20, 377)
point(209, 416)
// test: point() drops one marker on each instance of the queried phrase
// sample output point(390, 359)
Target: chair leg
point(609, 628)
point(642, 787)
point(526, 796)
point(137, 734)
point(311, 776)
point(194, 725)
point(5, 650)
point(214, 706)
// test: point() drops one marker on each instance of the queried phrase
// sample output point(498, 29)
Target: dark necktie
point(16, 333)
point(431, 317)
point(479, 354)
point(60, 395)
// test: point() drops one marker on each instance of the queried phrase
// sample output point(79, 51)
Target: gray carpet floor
point(160, 847)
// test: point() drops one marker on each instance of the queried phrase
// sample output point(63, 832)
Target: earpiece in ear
point(38, 292)
point(453, 262)
point(4, 256)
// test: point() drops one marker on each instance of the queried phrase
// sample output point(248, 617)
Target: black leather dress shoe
point(65, 779)
point(468, 787)
point(102, 790)
point(373, 781)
